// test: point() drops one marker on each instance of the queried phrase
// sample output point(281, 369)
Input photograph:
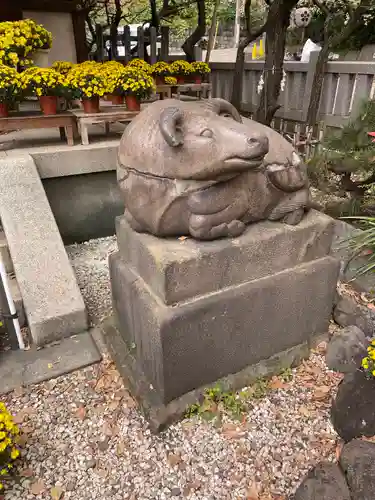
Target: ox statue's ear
point(221, 106)
point(169, 123)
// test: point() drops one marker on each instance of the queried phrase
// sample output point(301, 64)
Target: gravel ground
point(84, 437)
point(90, 263)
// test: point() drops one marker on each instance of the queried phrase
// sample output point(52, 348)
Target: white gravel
point(90, 263)
point(85, 438)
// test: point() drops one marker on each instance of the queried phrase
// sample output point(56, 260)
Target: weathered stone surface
point(185, 169)
point(177, 270)
point(160, 415)
point(53, 302)
point(353, 410)
point(324, 482)
point(358, 462)
point(184, 347)
point(346, 350)
point(348, 312)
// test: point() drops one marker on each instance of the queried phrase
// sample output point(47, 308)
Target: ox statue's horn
point(169, 120)
point(221, 106)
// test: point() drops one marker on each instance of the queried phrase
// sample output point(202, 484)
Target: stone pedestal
point(189, 312)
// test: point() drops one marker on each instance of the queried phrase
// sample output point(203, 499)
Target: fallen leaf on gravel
point(38, 487)
point(56, 493)
point(321, 392)
point(277, 383)
point(81, 413)
point(253, 492)
point(174, 459)
point(22, 440)
point(102, 473)
point(107, 429)
point(120, 448)
point(27, 429)
point(233, 434)
point(26, 473)
point(303, 410)
point(113, 405)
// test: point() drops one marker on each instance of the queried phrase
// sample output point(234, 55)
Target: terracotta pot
point(117, 99)
point(91, 105)
point(159, 80)
point(198, 79)
point(181, 79)
point(132, 103)
point(48, 104)
point(4, 112)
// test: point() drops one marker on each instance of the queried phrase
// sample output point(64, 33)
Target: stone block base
point(161, 415)
point(180, 348)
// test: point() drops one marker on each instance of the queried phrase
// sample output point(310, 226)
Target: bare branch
point(322, 7)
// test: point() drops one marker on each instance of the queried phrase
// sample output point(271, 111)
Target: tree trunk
point(211, 35)
point(317, 86)
point(193, 39)
point(240, 57)
point(238, 73)
point(277, 23)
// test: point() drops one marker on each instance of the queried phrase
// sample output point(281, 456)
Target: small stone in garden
point(176, 492)
point(358, 462)
point(90, 464)
point(346, 350)
point(347, 312)
point(323, 482)
point(353, 410)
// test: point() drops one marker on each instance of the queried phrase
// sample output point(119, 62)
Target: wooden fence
point(346, 85)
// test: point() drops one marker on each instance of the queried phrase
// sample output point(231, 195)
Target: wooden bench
point(202, 90)
point(108, 115)
point(21, 120)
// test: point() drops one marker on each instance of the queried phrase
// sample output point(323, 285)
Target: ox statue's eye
point(207, 132)
point(227, 115)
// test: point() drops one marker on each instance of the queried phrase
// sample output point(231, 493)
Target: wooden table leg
point(62, 133)
point(84, 134)
point(69, 134)
point(75, 131)
point(106, 128)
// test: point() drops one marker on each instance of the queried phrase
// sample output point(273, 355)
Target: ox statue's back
point(199, 169)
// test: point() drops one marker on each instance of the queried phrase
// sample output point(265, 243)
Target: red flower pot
point(198, 79)
point(181, 79)
point(4, 112)
point(48, 104)
point(159, 80)
point(91, 104)
point(117, 99)
point(132, 103)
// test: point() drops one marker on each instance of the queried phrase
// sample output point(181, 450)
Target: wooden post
point(79, 31)
point(164, 51)
point(153, 43)
point(309, 83)
point(127, 44)
point(141, 42)
point(99, 43)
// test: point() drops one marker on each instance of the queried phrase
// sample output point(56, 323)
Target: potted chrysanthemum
point(200, 70)
point(111, 71)
point(134, 84)
point(87, 82)
point(181, 70)
point(62, 67)
point(9, 88)
point(9, 451)
point(160, 71)
point(45, 83)
point(140, 64)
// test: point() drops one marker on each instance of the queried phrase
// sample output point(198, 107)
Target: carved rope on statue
point(199, 169)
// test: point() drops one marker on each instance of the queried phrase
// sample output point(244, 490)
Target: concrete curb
point(21, 368)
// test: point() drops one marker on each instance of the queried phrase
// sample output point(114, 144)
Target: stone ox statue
point(199, 169)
